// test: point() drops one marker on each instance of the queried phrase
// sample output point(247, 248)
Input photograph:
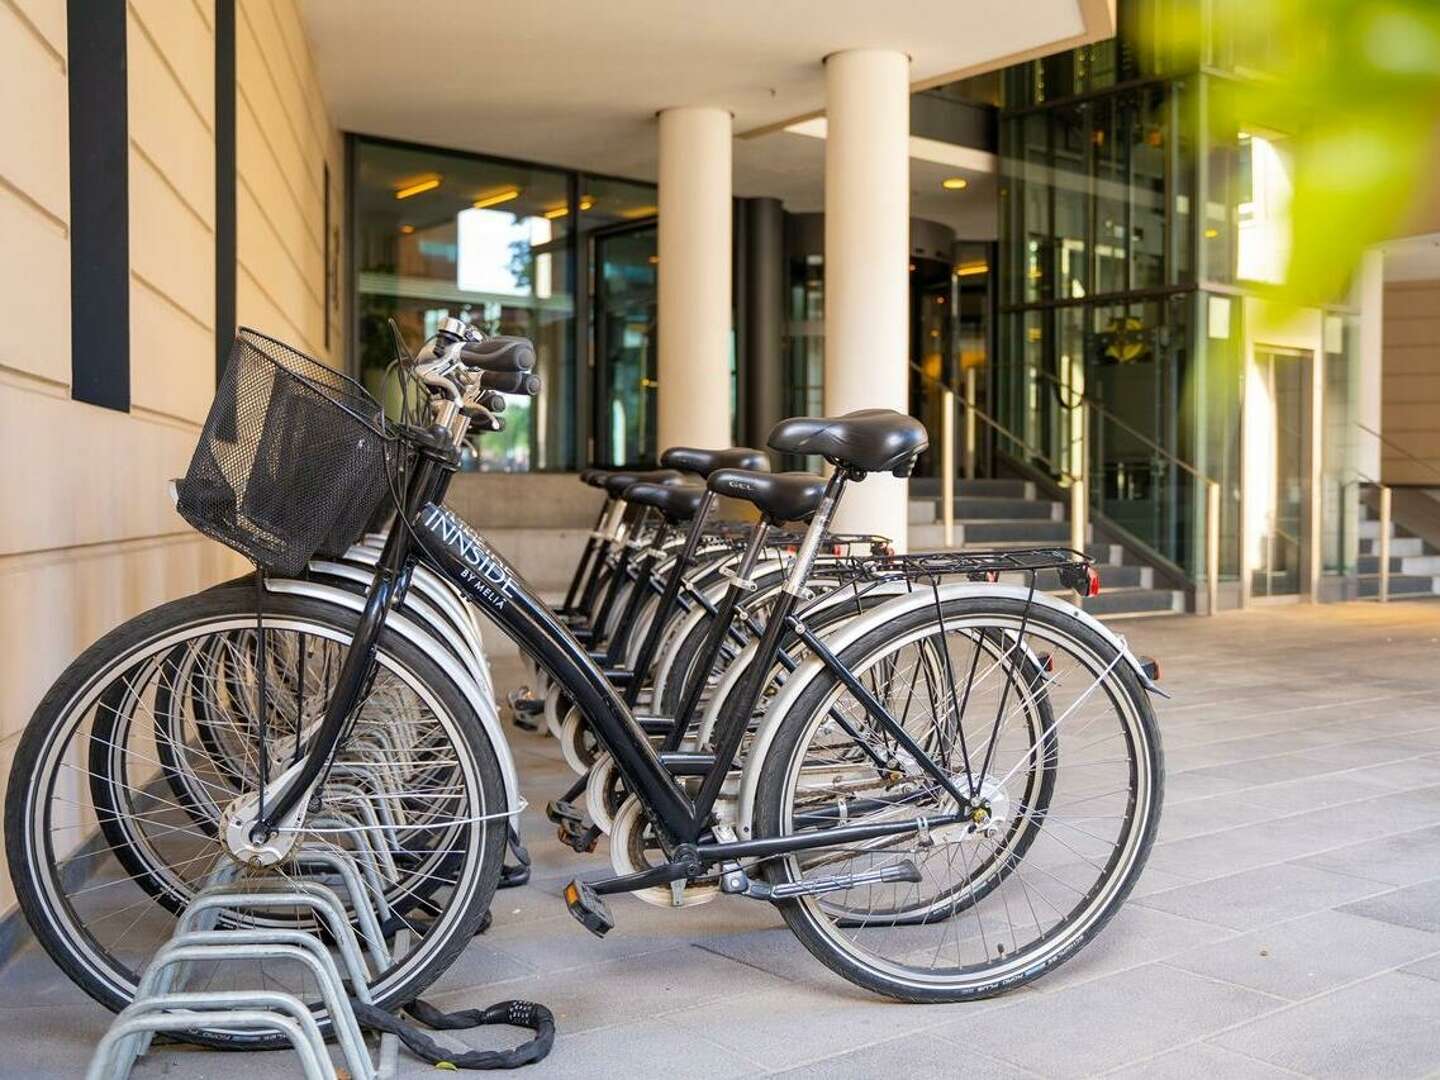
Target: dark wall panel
point(224, 181)
point(99, 205)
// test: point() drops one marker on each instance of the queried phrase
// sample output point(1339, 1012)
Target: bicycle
point(926, 729)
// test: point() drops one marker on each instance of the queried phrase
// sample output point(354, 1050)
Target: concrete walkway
point(1288, 922)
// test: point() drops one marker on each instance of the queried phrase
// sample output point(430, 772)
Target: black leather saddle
point(704, 462)
point(617, 482)
point(781, 497)
point(678, 502)
point(594, 477)
point(871, 440)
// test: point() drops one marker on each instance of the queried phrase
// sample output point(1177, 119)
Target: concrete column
point(867, 253)
point(694, 278)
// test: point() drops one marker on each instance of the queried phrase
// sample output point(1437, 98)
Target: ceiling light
point(954, 183)
point(971, 269)
point(586, 202)
point(430, 183)
point(407, 229)
point(636, 212)
point(496, 198)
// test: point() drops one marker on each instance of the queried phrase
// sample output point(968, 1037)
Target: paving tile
point(1309, 955)
point(616, 1053)
point(1197, 1060)
point(1383, 1027)
point(652, 984)
point(1415, 906)
point(1429, 968)
point(1404, 859)
point(56, 1042)
point(1110, 1022)
point(914, 1055)
point(1278, 839)
point(1414, 772)
point(1136, 935)
point(789, 1026)
point(31, 980)
point(1317, 792)
point(1255, 898)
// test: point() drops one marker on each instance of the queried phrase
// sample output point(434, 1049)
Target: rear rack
point(1074, 569)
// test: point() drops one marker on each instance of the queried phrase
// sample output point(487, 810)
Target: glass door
point(1282, 471)
point(626, 343)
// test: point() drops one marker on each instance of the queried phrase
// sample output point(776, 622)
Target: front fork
point(278, 808)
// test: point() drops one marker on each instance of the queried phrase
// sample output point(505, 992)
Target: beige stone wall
point(1410, 389)
point(88, 537)
point(283, 141)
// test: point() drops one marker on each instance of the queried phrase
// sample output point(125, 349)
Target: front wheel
point(120, 779)
point(1040, 725)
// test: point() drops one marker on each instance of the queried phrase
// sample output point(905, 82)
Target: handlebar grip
point(511, 382)
point(499, 354)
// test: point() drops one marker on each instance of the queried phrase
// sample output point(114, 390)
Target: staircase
point(1009, 513)
point(1414, 563)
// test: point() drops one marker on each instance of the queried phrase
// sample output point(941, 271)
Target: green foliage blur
point(1355, 87)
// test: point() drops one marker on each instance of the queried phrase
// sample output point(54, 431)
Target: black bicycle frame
point(453, 549)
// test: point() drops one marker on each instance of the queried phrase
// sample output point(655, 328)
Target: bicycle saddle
point(870, 440)
point(594, 477)
point(787, 496)
point(617, 482)
point(704, 462)
point(678, 502)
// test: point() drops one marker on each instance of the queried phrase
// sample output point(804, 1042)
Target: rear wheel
point(1056, 840)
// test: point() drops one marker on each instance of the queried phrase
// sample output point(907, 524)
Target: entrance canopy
point(579, 85)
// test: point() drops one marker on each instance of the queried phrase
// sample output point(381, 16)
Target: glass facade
point(1136, 231)
point(510, 248)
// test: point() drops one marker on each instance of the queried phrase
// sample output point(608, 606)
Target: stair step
point(1113, 603)
point(1420, 565)
point(995, 534)
point(929, 487)
point(1399, 545)
point(997, 531)
point(1400, 585)
point(929, 511)
point(1111, 577)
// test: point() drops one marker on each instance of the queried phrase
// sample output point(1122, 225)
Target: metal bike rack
point(200, 937)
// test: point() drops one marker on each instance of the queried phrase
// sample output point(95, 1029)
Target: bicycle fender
point(858, 627)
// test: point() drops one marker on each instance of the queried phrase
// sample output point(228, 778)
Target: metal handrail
point(1079, 484)
point(1086, 399)
point(1396, 446)
point(995, 424)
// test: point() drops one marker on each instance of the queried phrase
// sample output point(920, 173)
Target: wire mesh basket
point(294, 458)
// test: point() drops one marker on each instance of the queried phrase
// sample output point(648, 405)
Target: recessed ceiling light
point(496, 198)
point(407, 229)
point(428, 183)
point(954, 183)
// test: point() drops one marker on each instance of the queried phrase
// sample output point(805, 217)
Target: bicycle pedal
point(580, 838)
point(562, 810)
point(575, 830)
point(589, 908)
point(526, 706)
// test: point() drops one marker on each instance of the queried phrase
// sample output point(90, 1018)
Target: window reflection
point(440, 235)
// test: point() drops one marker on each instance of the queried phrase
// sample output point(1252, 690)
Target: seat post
point(819, 526)
point(651, 644)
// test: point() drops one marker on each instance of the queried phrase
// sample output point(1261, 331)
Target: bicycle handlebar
point(499, 355)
